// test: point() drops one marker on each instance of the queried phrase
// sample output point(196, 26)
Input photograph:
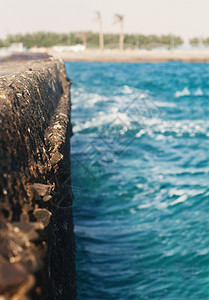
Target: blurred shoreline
point(108, 55)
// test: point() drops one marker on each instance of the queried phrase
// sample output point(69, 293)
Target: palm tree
point(101, 36)
point(119, 19)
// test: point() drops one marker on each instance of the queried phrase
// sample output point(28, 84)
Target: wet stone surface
point(35, 131)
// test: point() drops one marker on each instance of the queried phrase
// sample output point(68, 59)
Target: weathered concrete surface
point(36, 227)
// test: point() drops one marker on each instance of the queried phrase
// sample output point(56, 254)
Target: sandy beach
point(134, 55)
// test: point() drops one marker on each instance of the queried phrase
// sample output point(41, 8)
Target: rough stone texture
point(35, 194)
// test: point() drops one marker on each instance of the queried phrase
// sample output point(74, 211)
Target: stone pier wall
point(36, 227)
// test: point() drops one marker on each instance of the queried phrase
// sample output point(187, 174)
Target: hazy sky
point(187, 18)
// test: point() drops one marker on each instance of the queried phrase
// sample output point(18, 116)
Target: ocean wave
point(198, 92)
point(187, 92)
point(123, 98)
point(161, 129)
point(184, 92)
point(179, 200)
point(127, 90)
point(113, 118)
point(165, 104)
point(137, 110)
point(163, 200)
point(153, 127)
point(89, 100)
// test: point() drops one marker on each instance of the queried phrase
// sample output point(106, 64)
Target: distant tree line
point(91, 40)
point(199, 41)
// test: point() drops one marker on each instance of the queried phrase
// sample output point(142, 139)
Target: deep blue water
point(140, 175)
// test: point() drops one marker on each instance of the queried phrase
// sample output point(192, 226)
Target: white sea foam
point(203, 251)
point(181, 192)
point(179, 200)
point(127, 90)
point(161, 205)
point(160, 137)
point(142, 96)
point(140, 186)
point(81, 98)
point(159, 126)
point(169, 253)
point(185, 92)
point(142, 206)
point(132, 211)
point(198, 92)
point(175, 192)
point(140, 133)
point(114, 118)
point(165, 104)
point(152, 126)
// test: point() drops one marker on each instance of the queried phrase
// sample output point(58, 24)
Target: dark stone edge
point(36, 162)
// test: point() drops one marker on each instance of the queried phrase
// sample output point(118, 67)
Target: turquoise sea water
point(140, 175)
